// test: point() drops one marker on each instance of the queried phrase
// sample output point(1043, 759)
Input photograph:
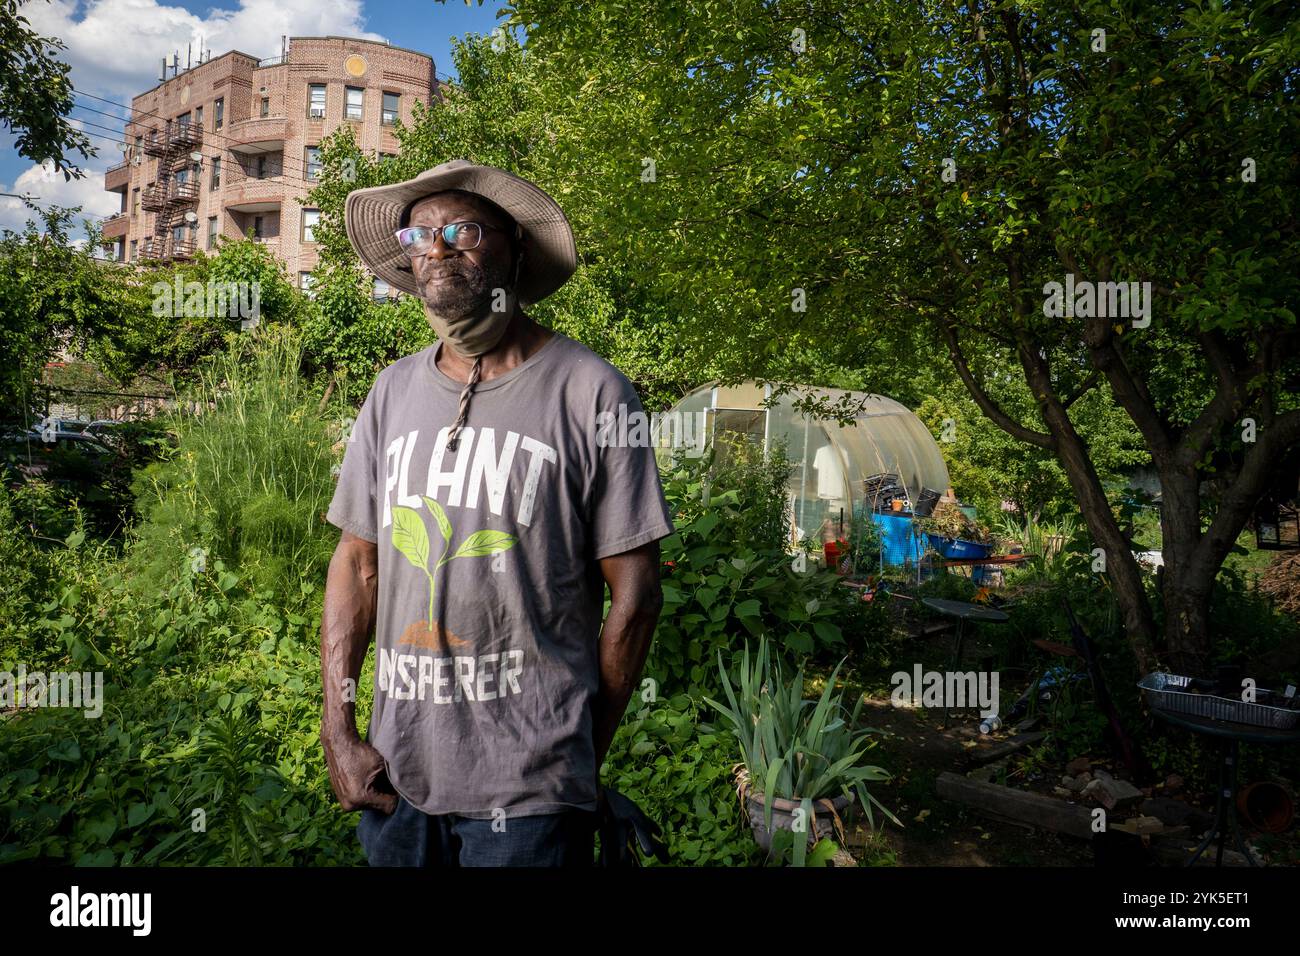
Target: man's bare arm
point(636, 598)
point(356, 769)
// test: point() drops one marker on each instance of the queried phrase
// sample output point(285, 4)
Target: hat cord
point(454, 439)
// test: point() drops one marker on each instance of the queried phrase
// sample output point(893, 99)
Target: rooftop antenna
point(163, 75)
point(189, 55)
point(284, 44)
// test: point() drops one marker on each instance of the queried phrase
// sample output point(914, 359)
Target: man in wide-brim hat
point(485, 503)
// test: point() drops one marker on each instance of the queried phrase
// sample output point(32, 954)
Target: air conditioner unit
point(317, 111)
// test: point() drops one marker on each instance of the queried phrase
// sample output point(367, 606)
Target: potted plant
point(803, 761)
point(954, 535)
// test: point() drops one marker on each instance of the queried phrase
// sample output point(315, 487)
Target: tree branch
point(990, 408)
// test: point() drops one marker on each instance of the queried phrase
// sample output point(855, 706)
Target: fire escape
point(174, 192)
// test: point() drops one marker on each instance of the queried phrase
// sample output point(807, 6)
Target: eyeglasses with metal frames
point(462, 236)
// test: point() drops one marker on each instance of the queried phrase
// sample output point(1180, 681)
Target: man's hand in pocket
point(358, 775)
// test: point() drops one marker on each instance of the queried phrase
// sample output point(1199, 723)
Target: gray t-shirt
point(496, 543)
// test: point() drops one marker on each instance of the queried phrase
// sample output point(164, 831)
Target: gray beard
point(470, 295)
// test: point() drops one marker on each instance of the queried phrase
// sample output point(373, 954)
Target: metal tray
point(1173, 692)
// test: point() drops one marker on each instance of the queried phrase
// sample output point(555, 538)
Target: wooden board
point(1031, 809)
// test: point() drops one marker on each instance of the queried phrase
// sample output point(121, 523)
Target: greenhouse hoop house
point(884, 463)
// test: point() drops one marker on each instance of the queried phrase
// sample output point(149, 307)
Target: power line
point(207, 156)
point(122, 142)
point(301, 167)
point(165, 119)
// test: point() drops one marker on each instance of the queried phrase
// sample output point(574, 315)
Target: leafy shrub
point(677, 767)
point(726, 578)
point(207, 751)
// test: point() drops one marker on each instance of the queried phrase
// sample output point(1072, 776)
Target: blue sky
point(114, 47)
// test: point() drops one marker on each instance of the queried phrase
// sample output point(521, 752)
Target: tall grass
point(1045, 541)
point(249, 479)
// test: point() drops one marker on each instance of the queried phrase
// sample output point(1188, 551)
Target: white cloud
point(47, 188)
point(115, 46)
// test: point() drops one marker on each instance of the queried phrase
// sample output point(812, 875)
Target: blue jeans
point(411, 837)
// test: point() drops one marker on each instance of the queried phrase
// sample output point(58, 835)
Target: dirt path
point(936, 832)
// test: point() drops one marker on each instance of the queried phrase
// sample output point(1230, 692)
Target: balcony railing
point(115, 226)
point(185, 134)
point(182, 248)
point(185, 192)
point(153, 198)
point(154, 143)
point(256, 133)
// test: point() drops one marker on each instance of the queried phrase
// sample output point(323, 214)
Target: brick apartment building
point(227, 147)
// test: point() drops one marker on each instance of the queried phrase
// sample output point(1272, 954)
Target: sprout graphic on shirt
point(411, 538)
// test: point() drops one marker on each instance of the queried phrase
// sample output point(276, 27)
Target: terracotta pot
point(1266, 806)
point(823, 824)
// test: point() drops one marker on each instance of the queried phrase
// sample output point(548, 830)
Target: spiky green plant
point(798, 749)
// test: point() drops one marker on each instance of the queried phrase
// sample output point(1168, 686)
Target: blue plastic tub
point(959, 547)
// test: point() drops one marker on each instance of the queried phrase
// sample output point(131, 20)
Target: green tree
point(36, 94)
point(167, 338)
point(789, 177)
point(55, 295)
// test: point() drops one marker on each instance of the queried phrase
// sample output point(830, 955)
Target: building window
point(198, 116)
point(310, 218)
point(266, 106)
point(353, 106)
point(216, 172)
point(261, 166)
point(218, 113)
point(311, 162)
point(390, 113)
point(135, 201)
point(316, 100)
point(134, 245)
point(183, 175)
point(305, 282)
point(212, 232)
point(183, 119)
point(382, 291)
point(258, 231)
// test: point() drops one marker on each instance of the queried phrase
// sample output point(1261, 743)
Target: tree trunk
point(1188, 576)
point(1187, 624)
point(1122, 568)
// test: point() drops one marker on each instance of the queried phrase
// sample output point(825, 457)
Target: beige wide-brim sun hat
point(372, 216)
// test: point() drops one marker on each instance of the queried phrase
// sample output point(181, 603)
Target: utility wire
point(301, 167)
